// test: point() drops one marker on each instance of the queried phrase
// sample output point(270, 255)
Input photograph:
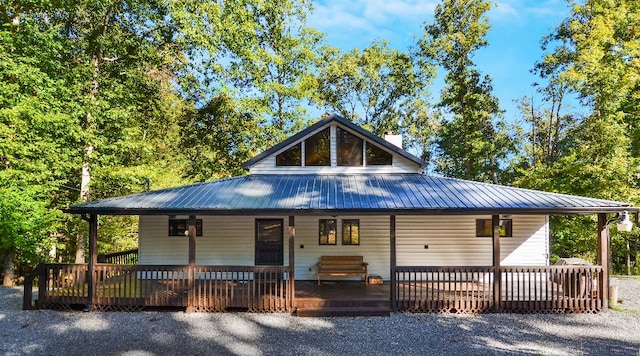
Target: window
point(377, 156)
point(349, 148)
point(484, 228)
point(318, 149)
point(327, 232)
point(351, 232)
point(177, 227)
point(290, 157)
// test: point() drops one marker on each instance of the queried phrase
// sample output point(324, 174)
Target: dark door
point(269, 234)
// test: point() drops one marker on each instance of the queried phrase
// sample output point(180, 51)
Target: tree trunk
point(84, 197)
point(8, 270)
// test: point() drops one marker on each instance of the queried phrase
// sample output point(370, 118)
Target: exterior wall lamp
point(624, 222)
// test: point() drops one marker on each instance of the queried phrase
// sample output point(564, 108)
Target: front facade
point(335, 189)
point(448, 240)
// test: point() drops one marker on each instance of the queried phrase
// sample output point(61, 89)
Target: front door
point(269, 246)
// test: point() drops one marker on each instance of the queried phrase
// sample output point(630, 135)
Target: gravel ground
point(46, 332)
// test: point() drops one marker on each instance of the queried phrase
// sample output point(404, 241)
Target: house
point(334, 189)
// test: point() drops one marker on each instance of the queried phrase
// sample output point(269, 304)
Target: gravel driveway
point(46, 332)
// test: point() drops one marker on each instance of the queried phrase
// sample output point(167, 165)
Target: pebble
point(47, 332)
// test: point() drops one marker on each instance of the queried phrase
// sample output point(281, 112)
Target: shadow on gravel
point(176, 333)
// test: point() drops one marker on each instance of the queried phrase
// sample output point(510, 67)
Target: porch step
point(318, 303)
point(341, 311)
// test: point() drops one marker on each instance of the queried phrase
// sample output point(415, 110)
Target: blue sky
point(517, 26)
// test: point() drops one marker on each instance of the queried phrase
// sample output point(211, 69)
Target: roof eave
point(362, 211)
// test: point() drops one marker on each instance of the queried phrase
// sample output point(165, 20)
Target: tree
point(594, 55)
point(370, 86)
point(470, 144)
point(217, 139)
point(37, 136)
point(270, 55)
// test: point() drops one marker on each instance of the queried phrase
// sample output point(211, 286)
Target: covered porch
point(556, 289)
point(404, 222)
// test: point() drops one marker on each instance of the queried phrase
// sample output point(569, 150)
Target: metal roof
point(344, 122)
point(332, 194)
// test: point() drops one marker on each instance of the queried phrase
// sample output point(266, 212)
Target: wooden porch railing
point(135, 287)
point(129, 257)
point(544, 289)
point(518, 289)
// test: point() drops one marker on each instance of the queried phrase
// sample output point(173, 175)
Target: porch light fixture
point(624, 223)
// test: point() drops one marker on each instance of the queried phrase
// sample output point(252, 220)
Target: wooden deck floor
point(341, 290)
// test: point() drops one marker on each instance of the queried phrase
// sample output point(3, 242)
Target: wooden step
point(317, 303)
point(337, 311)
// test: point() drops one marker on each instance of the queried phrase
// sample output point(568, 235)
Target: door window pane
point(349, 149)
point(318, 149)
point(269, 242)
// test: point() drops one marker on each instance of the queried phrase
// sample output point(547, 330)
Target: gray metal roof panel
point(365, 193)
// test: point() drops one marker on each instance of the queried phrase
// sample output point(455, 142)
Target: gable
point(334, 145)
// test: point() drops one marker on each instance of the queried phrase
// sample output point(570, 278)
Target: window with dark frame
point(484, 228)
point(290, 157)
point(317, 149)
point(349, 148)
point(351, 232)
point(177, 227)
point(327, 232)
point(377, 156)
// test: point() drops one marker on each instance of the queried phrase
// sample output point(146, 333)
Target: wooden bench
point(342, 266)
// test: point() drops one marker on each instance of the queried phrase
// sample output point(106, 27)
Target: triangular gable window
point(290, 157)
point(377, 156)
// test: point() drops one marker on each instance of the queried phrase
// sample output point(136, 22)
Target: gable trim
point(324, 122)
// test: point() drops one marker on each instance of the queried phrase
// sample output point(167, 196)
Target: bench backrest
point(341, 262)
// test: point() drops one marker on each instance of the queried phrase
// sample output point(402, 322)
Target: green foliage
point(271, 54)
point(470, 144)
point(217, 139)
point(594, 55)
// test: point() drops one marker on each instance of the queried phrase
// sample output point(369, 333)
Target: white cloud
point(354, 22)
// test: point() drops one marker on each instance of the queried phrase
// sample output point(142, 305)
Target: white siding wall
point(225, 240)
point(451, 241)
point(374, 244)
point(230, 240)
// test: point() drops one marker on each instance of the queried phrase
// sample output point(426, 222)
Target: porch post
point(292, 264)
point(392, 260)
point(192, 240)
point(603, 259)
point(93, 259)
point(497, 273)
point(192, 263)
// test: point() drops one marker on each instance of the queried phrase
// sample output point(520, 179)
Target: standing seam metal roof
point(365, 193)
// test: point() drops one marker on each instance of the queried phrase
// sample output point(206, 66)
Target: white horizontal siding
point(374, 245)
point(451, 241)
point(225, 240)
point(156, 247)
